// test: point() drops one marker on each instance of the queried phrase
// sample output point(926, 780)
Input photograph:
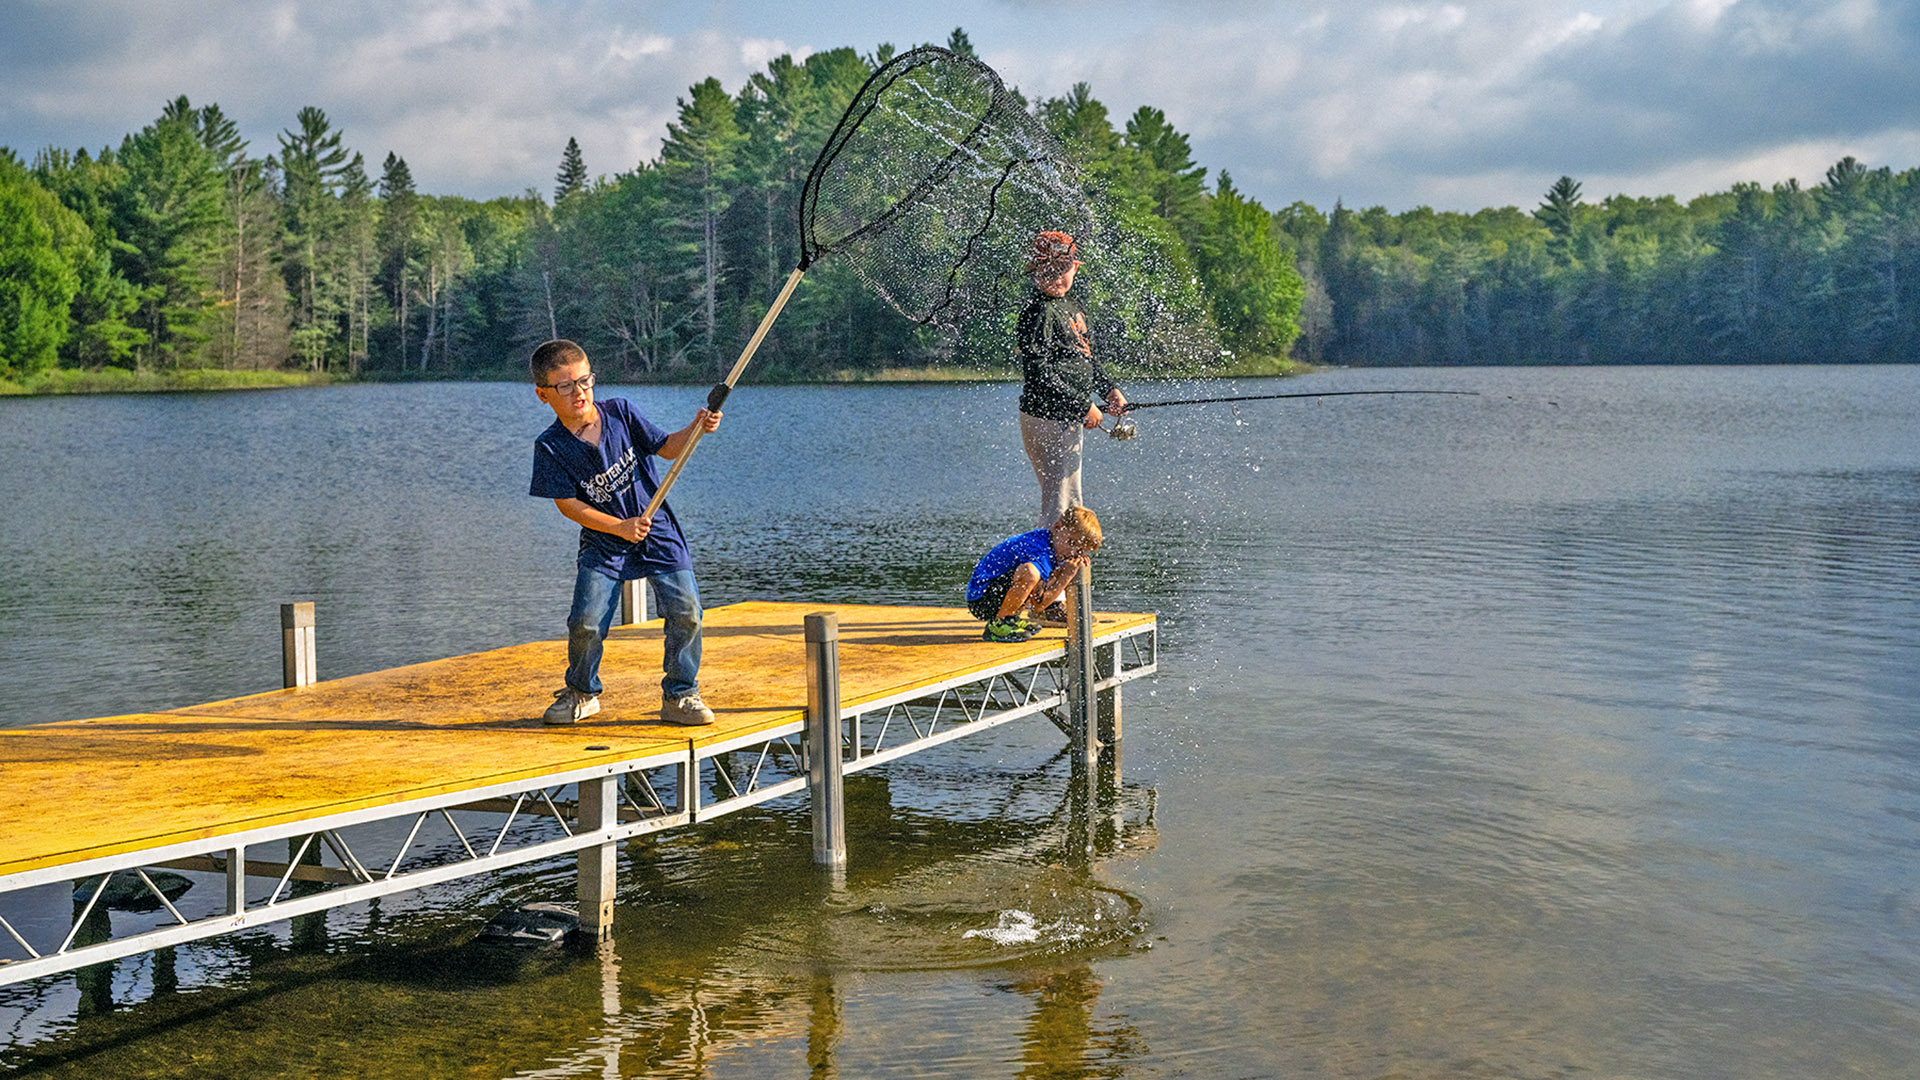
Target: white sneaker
point(570, 706)
point(687, 711)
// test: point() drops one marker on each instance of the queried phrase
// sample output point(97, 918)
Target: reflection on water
point(729, 947)
point(1568, 728)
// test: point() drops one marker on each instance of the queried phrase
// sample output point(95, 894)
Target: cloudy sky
point(1454, 105)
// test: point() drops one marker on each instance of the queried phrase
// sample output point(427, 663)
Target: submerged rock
point(532, 925)
point(126, 892)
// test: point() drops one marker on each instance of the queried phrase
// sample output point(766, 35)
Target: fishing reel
point(1123, 428)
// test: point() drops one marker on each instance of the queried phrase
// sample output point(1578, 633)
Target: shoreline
point(61, 382)
point(64, 382)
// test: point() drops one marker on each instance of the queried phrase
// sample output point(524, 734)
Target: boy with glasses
point(595, 461)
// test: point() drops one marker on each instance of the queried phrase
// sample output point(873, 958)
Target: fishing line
point(1124, 427)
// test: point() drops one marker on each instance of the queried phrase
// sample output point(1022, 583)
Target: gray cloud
point(1470, 104)
point(1759, 71)
point(479, 95)
point(1456, 104)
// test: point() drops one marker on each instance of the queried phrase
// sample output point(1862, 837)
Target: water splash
point(931, 190)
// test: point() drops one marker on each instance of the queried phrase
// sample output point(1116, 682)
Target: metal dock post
point(1083, 672)
point(824, 766)
point(297, 667)
point(599, 865)
point(633, 602)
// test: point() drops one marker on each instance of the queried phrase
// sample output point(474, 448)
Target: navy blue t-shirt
point(1035, 547)
point(616, 477)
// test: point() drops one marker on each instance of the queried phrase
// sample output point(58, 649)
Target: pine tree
point(358, 259)
point(313, 164)
point(399, 217)
point(220, 136)
point(168, 211)
point(250, 327)
point(1081, 122)
point(699, 159)
point(572, 177)
point(1175, 185)
point(1559, 213)
point(254, 294)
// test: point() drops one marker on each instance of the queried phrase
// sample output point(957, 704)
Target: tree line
point(1787, 274)
point(183, 248)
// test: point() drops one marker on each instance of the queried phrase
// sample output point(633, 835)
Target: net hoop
point(864, 103)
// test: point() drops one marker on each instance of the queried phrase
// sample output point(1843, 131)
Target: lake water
point(1569, 729)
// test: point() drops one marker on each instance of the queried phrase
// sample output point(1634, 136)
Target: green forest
point(184, 250)
point(1787, 274)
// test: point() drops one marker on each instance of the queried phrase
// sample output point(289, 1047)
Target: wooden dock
point(317, 796)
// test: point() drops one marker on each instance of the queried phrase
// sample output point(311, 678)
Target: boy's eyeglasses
point(566, 389)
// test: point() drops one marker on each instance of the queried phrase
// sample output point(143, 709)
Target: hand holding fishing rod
point(1124, 427)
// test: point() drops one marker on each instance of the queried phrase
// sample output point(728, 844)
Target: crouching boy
point(1017, 586)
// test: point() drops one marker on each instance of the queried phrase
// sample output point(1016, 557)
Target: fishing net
point(933, 184)
point(930, 190)
point(932, 187)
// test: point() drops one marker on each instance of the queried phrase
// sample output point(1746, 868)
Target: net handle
point(718, 395)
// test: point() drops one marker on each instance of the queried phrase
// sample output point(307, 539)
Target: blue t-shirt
point(1035, 547)
point(616, 477)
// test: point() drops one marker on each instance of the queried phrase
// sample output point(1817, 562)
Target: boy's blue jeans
point(676, 598)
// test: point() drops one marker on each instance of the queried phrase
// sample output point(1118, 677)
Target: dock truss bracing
point(139, 900)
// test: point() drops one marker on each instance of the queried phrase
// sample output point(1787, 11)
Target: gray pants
point(1053, 446)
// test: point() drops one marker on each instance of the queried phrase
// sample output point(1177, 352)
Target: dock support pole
point(633, 602)
point(1107, 706)
point(824, 772)
point(598, 865)
point(236, 884)
point(296, 644)
point(1083, 710)
point(297, 668)
point(1083, 721)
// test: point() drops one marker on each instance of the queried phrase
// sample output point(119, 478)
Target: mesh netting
point(933, 184)
point(931, 189)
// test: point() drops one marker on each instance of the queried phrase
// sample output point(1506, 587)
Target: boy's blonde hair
point(1080, 523)
point(551, 356)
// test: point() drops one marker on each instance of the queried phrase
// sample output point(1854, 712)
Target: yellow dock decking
point(92, 788)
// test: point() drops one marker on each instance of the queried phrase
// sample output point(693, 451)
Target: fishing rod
point(1124, 427)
